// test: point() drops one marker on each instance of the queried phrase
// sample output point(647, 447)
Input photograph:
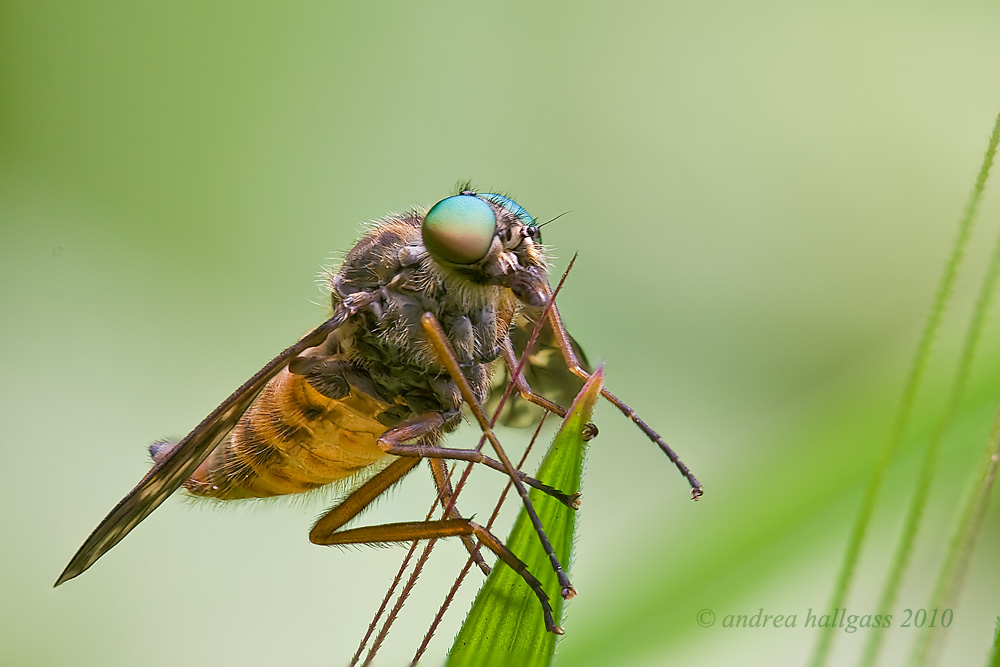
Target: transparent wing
point(171, 472)
point(545, 370)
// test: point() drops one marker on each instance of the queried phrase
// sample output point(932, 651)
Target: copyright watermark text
point(837, 618)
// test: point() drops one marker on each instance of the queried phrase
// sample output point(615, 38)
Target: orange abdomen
point(292, 439)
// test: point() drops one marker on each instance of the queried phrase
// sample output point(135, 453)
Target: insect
point(429, 310)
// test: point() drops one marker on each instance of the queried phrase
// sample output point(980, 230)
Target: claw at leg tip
point(568, 593)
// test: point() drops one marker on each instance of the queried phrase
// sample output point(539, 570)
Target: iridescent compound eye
point(515, 208)
point(459, 229)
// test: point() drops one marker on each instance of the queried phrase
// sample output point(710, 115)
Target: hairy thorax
point(319, 420)
point(388, 354)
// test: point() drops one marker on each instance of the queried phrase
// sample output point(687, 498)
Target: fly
point(430, 310)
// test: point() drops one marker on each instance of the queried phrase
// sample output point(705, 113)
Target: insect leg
point(445, 493)
point(447, 357)
point(422, 530)
point(362, 497)
point(511, 362)
point(573, 363)
point(392, 443)
point(340, 514)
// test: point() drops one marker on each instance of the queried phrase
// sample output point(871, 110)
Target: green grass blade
point(994, 660)
point(961, 544)
point(917, 368)
point(504, 626)
point(929, 467)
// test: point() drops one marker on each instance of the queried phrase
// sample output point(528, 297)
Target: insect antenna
point(553, 220)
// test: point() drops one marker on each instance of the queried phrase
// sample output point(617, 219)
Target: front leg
point(445, 495)
point(510, 360)
point(394, 441)
point(574, 365)
point(446, 357)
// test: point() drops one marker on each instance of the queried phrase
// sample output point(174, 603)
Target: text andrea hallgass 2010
point(837, 618)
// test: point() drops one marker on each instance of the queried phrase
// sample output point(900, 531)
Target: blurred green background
point(762, 196)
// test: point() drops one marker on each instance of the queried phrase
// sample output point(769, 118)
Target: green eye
point(459, 229)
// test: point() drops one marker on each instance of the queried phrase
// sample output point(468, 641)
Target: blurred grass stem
point(902, 418)
point(929, 467)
